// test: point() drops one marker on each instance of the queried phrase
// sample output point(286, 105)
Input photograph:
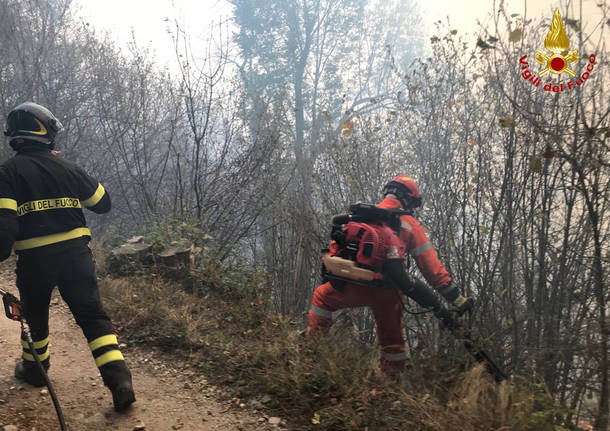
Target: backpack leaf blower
point(425, 297)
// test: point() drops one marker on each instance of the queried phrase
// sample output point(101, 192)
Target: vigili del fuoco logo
point(558, 61)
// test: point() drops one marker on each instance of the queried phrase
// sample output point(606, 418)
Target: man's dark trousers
point(70, 266)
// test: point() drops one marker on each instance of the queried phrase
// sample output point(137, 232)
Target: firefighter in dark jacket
point(41, 218)
point(386, 304)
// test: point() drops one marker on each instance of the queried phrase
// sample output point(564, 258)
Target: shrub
point(333, 383)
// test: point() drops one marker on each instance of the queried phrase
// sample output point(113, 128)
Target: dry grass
point(333, 381)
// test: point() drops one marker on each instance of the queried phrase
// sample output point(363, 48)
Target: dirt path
point(169, 396)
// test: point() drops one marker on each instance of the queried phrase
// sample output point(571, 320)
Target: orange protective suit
point(384, 303)
point(419, 247)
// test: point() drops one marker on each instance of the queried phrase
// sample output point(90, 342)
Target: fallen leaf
point(536, 165)
point(515, 35)
point(315, 419)
point(549, 153)
point(507, 121)
point(483, 45)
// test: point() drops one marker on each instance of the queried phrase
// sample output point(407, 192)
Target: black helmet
point(32, 122)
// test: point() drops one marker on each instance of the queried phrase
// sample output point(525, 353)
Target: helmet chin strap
point(20, 143)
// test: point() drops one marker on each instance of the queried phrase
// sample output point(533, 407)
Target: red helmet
point(405, 190)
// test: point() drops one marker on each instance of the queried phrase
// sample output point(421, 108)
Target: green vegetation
point(226, 330)
point(164, 232)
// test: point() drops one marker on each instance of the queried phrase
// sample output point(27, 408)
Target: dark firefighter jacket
point(41, 200)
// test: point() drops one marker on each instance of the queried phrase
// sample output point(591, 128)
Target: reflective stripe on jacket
point(45, 194)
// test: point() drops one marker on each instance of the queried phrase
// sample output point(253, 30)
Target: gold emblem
point(557, 42)
point(41, 132)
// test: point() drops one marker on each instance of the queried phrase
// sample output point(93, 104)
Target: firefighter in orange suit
point(41, 218)
point(400, 192)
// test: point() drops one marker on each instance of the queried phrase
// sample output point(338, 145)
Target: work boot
point(123, 396)
point(30, 373)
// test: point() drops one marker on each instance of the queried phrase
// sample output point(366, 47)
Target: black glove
point(453, 296)
point(463, 304)
point(446, 319)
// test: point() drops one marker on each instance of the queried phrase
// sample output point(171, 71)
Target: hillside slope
point(169, 395)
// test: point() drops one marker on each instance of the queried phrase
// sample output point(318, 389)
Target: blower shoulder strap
point(367, 213)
